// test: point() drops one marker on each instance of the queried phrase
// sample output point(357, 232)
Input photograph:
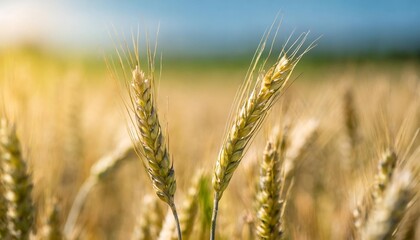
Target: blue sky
point(212, 26)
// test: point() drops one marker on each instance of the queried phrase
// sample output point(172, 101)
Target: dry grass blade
point(17, 184)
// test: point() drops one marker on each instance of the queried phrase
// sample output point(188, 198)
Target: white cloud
point(45, 23)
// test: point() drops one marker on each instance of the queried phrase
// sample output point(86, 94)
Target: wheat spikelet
point(388, 213)
point(17, 184)
point(149, 223)
point(269, 204)
point(52, 228)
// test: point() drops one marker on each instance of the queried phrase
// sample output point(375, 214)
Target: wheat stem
point(178, 227)
point(214, 216)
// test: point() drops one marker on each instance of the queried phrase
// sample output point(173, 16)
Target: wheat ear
point(388, 213)
point(269, 203)
point(17, 184)
point(247, 121)
point(152, 145)
point(104, 167)
point(383, 177)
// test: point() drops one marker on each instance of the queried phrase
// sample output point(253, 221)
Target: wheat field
point(335, 154)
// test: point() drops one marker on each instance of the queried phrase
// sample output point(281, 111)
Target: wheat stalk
point(152, 145)
point(17, 184)
point(269, 203)
point(248, 119)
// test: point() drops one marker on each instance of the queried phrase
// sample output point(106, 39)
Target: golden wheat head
point(249, 117)
point(17, 184)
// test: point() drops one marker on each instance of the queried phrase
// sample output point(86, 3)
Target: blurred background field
point(70, 111)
